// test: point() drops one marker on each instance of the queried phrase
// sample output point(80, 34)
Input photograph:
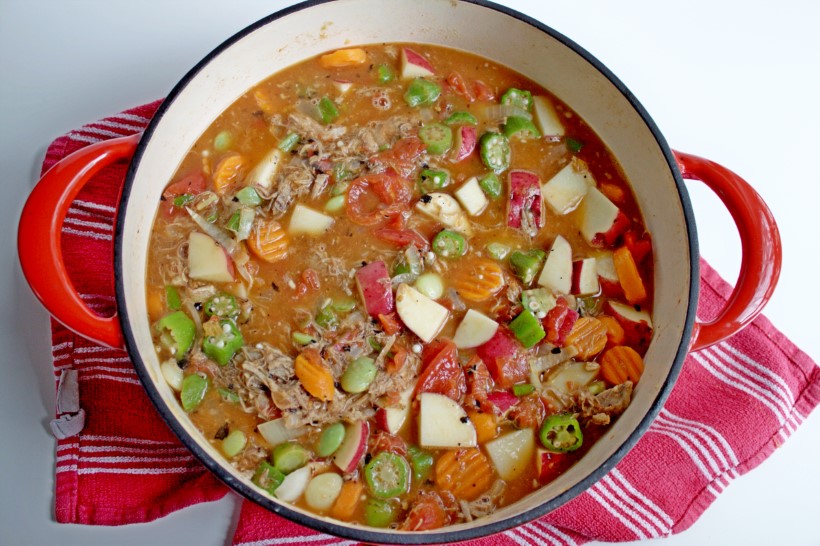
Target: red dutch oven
point(655, 172)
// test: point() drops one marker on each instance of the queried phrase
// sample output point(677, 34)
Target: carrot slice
point(348, 499)
point(155, 305)
point(264, 101)
point(466, 473)
point(478, 279)
point(588, 335)
point(620, 364)
point(315, 377)
point(268, 241)
point(486, 426)
point(630, 277)
point(613, 192)
point(228, 172)
point(615, 333)
point(344, 57)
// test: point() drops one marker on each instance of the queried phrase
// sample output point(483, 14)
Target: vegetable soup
point(400, 285)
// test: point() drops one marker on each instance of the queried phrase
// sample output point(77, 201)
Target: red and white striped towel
point(758, 387)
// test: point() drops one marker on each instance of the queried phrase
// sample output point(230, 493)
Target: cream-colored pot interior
point(505, 39)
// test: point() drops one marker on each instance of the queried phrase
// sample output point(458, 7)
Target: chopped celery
point(228, 395)
point(328, 111)
point(248, 196)
point(182, 200)
point(523, 389)
point(344, 305)
point(326, 318)
point(289, 142)
point(301, 338)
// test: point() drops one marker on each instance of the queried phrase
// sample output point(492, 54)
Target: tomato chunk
point(502, 355)
point(402, 237)
point(191, 184)
point(427, 512)
point(375, 198)
point(402, 156)
point(559, 322)
point(441, 372)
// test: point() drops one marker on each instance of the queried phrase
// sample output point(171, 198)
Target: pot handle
point(759, 240)
point(40, 232)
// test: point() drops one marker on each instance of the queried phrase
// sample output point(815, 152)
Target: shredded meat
point(599, 410)
point(268, 377)
point(485, 504)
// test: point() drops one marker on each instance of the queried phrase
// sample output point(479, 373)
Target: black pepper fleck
point(555, 350)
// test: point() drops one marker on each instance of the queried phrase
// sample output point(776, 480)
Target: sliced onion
point(500, 112)
point(217, 234)
point(403, 278)
point(275, 432)
point(458, 303)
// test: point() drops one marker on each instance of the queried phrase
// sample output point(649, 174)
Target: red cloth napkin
point(758, 387)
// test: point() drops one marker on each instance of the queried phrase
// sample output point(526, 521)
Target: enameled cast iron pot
point(510, 38)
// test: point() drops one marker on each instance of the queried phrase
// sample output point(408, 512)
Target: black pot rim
point(369, 534)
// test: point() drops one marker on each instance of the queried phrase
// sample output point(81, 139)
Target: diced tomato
point(427, 512)
point(482, 91)
point(550, 465)
point(502, 401)
point(479, 381)
point(528, 412)
point(459, 85)
point(502, 355)
point(311, 278)
point(384, 441)
point(640, 247)
point(402, 156)
point(471, 90)
point(559, 322)
point(191, 184)
point(375, 198)
point(395, 364)
point(391, 324)
point(441, 372)
point(402, 237)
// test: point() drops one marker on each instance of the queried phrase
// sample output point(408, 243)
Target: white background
point(737, 82)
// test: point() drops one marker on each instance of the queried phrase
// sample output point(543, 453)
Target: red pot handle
point(759, 240)
point(40, 233)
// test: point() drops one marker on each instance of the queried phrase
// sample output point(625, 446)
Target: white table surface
point(737, 82)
